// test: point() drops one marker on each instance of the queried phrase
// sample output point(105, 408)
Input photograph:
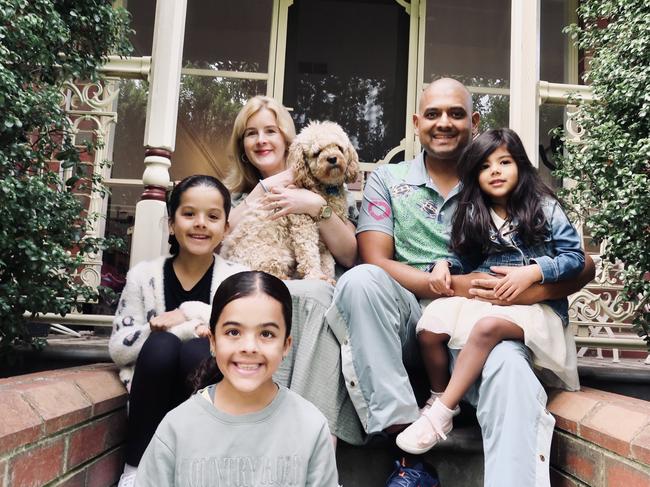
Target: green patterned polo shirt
point(402, 201)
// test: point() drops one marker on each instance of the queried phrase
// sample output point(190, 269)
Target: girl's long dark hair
point(470, 234)
point(190, 182)
point(241, 285)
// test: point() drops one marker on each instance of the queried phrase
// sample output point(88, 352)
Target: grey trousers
point(374, 319)
point(313, 366)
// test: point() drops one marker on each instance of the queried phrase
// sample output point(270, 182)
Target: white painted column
point(524, 73)
point(416, 10)
point(150, 228)
point(278, 49)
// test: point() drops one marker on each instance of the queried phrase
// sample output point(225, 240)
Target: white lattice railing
point(91, 111)
point(601, 318)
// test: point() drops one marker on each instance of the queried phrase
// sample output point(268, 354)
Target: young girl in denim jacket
point(506, 217)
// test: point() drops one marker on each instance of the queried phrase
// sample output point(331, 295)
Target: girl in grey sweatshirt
point(245, 430)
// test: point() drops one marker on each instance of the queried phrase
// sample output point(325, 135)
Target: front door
point(347, 61)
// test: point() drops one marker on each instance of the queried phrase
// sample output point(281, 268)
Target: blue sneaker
point(415, 476)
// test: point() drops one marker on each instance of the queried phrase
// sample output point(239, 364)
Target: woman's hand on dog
point(281, 179)
point(283, 201)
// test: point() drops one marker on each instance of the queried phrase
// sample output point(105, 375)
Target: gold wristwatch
point(324, 213)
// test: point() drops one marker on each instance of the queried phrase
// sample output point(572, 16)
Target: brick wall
point(63, 427)
point(601, 439)
point(66, 428)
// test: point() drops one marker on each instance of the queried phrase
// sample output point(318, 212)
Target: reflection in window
point(128, 147)
point(356, 103)
point(143, 13)
point(466, 39)
point(550, 118)
point(554, 43)
point(128, 163)
point(494, 110)
point(229, 35)
point(120, 217)
point(347, 62)
point(235, 32)
point(499, 85)
point(555, 48)
point(206, 112)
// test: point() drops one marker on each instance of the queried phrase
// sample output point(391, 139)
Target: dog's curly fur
point(323, 159)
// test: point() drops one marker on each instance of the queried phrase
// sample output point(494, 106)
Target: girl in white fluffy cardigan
point(160, 328)
point(144, 290)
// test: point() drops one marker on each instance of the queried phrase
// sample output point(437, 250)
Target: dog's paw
point(314, 275)
point(320, 276)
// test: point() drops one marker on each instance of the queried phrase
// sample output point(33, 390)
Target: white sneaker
point(433, 397)
point(431, 427)
point(127, 479)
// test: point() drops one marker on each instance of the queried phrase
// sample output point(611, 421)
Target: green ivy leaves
point(611, 163)
point(44, 43)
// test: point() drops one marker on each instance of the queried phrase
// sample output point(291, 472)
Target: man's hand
point(440, 279)
point(281, 179)
point(515, 280)
point(167, 320)
point(485, 288)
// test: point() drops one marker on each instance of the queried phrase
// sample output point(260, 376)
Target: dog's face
point(322, 152)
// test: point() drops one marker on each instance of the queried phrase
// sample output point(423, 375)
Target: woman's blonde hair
point(244, 176)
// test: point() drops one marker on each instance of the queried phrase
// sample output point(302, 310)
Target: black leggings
point(160, 383)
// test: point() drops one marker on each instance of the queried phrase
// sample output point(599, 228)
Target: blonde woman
point(259, 144)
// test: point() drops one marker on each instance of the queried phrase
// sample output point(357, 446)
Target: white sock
point(447, 413)
point(129, 469)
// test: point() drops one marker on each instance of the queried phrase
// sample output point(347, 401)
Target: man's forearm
point(537, 292)
point(461, 284)
point(560, 289)
point(408, 277)
point(378, 248)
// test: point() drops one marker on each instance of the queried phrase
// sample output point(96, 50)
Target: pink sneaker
point(431, 427)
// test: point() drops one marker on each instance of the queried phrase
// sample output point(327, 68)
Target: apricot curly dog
point(323, 159)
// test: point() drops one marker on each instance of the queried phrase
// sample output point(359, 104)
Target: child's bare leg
point(436, 359)
point(485, 335)
point(436, 422)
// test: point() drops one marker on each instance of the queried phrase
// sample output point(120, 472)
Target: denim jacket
point(559, 256)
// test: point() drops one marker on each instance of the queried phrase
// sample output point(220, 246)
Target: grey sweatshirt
point(285, 444)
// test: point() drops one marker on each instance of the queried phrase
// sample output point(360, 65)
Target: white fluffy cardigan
point(143, 298)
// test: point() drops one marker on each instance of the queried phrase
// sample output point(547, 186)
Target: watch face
point(325, 212)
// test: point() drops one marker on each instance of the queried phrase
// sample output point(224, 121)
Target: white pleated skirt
point(552, 344)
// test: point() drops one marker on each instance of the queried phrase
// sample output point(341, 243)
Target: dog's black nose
point(332, 160)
